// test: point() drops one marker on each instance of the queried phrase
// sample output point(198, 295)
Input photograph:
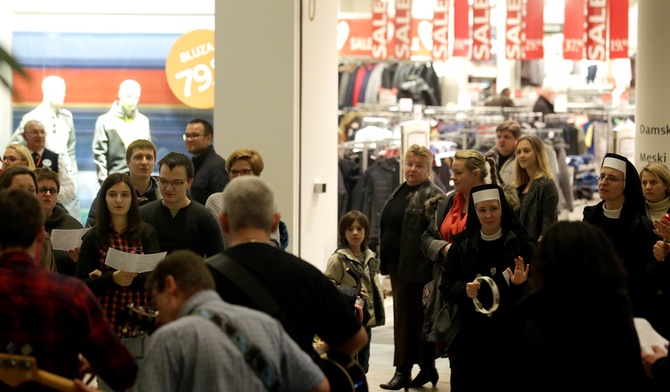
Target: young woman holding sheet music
point(120, 227)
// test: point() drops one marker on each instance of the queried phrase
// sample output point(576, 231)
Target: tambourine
point(494, 291)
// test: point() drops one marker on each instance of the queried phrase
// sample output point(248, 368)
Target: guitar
point(343, 372)
point(138, 320)
point(19, 369)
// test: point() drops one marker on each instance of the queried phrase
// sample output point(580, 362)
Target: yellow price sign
point(189, 69)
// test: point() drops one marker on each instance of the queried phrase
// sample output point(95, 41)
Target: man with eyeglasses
point(181, 223)
point(48, 188)
point(209, 167)
point(140, 160)
point(35, 137)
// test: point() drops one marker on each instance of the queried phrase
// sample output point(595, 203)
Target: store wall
point(278, 95)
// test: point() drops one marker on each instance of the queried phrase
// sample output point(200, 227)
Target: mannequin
point(116, 129)
point(59, 126)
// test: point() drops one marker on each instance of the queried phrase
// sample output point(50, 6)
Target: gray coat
point(539, 207)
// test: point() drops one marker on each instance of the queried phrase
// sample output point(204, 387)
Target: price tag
point(189, 69)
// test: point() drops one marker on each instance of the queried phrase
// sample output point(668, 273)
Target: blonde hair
point(521, 176)
point(661, 171)
point(475, 160)
point(25, 154)
point(421, 152)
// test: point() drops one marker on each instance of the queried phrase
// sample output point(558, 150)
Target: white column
point(652, 117)
point(276, 92)
point(6, 130)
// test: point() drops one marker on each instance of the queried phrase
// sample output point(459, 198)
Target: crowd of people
point(511, 290)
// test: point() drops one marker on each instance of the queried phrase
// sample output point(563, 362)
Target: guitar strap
point(244, 280)
point(252, 354)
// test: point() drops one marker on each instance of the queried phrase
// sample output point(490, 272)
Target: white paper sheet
point(67, 239)
point(648, 336)
point(129, 262)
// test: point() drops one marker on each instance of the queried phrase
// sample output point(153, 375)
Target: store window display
point(59, 126)
point(116, 129)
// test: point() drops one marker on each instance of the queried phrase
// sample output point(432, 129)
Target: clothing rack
point(368, 149)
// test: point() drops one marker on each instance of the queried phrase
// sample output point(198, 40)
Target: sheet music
point(648, 336)
point(67, 239)
point(129, 262)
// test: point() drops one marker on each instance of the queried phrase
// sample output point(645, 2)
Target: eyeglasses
point(174, 183)
point(608, 179)
point(243, 172)
point(41, 133)
point(43, 191)
point(11, 159)
point(191, 136)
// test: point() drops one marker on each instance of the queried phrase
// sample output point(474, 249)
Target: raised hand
point(520, 273)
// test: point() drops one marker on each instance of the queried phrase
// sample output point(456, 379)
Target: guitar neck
point(55, 381)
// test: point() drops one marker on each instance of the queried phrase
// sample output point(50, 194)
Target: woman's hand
point(74, 254)
point(123, 278)
point(520, 273)
point(96, 273)
point(662, 229)
point(661, 250)
point(648, 359)
point(472, 289)
point(445, 249)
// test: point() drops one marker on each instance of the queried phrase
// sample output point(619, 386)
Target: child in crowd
point(353, 264)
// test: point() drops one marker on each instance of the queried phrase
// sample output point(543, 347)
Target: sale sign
point(596, 30)
point(354, 37)
point(379, 50)
point(481, 30)
point(513, 29)
point(422, 37)
point(402, 44)
point(189, 69)
point(461, 28)
point(573, 32)
point(618, 28)
point(534, 32)
point(440, 31)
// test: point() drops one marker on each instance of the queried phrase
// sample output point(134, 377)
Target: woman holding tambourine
point(483, 275)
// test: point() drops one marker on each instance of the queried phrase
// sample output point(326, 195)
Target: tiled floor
point(381, 351)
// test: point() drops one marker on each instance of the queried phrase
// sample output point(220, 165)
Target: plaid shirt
point(59, 317)
point(115, 300)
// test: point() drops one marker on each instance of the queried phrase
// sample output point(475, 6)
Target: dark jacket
point(413, 265)
point(431, 241)
point(633, 239)
point(210, 175)
point(61, 220)
point(459, 269)
point(539, 207)
point(543, 105)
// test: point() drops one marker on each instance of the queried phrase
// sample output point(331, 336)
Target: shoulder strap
point(245, 281)
point(252, 354)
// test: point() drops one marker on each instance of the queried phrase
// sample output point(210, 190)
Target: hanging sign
point(189, 69)
point(513, 29)
point(440, 33)
point(573, 32)
point(481, 30)
point(379, 28)
point(534, 31)
point(354, 37)
point(422, 38)
point(402, 49)
point(596, 30)
point(461, 28)
point(618, 28)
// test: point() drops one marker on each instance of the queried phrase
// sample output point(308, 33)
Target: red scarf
point(454, 221)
